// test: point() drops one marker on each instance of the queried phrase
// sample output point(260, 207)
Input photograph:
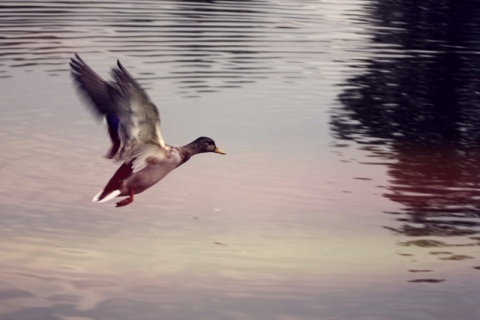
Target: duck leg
point(126, 201)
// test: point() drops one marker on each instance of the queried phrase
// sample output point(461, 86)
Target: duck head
point(205, 144)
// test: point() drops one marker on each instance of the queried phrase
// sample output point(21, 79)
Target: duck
point(133, 123)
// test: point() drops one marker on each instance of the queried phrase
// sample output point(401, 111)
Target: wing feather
point(133, 120)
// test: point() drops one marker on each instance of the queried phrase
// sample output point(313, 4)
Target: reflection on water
point(292, 224)
point(415, 105)
point(206, 47)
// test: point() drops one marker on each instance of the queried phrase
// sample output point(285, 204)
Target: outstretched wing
point(133, 120)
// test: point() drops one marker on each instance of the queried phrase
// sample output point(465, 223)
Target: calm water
point(351, 188)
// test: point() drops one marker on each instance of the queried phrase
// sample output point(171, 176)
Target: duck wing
point(133, 120)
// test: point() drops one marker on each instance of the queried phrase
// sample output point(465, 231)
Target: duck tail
point(113, 187)
point(102, 196)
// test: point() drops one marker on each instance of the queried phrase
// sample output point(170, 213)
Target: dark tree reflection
point(419, 96)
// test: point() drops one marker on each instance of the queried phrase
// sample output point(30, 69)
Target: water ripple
point(192, 35)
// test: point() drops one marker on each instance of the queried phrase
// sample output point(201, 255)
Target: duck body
point(157, 169)
point(134, 128)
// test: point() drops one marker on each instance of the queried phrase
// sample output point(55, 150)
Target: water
point(350, 189)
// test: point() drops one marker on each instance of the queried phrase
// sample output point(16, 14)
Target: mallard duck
point(133, 125)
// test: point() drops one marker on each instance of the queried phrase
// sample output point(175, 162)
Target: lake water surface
point(351, 187)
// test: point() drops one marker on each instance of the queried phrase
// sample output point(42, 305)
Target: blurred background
point(350, 188)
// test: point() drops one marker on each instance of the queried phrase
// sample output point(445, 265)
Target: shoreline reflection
point(415, 104)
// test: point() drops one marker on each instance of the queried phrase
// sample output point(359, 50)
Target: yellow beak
point(218, 150)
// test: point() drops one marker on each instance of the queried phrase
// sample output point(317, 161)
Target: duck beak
point(218, 150)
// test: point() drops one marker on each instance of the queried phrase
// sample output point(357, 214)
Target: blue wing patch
point(113, 123)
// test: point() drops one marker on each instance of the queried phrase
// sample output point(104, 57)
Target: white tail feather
point(108, 197)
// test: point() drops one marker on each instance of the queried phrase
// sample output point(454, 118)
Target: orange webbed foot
point(126, 201)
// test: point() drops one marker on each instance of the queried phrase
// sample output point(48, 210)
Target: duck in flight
point(134, 128)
